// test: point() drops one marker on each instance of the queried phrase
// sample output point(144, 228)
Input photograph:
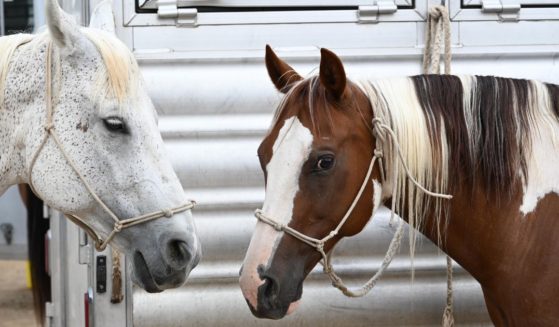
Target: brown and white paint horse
point(493, 143)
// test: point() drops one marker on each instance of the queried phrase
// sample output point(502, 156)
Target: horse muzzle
point(170, 269)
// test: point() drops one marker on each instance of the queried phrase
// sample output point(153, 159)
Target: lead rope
point(119, 224)
point(439, 23)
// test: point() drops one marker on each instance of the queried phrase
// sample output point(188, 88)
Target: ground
point(16, 300)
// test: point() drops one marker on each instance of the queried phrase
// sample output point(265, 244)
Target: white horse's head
point(107, 125)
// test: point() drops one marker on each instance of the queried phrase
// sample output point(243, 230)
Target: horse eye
point(324, 163)
point(115, 124)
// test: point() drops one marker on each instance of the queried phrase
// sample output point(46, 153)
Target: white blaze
point(290, 151)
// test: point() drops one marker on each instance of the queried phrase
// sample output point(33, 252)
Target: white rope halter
point(381, 131)
point(119, 224)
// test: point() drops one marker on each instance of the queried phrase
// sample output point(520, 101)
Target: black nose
point(268, 304)
point(179, 254)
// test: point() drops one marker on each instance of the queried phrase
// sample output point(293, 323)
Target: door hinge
point(370, 14)
point(49, 314)
point(185, 17)
point(46, 212)
point(507, 10)
point(84, 250)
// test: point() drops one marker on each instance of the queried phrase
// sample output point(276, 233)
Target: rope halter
point(381, 132)
point(119, 224)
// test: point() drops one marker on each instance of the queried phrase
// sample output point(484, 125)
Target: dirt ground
point(16, 300)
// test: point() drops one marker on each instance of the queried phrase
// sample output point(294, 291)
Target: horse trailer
point(202, 62)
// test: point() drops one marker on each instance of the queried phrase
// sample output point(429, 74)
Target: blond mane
point(402, 111)
point(121, 69)
point(119, 79)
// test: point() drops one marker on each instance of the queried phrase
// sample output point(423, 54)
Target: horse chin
point(142, 275)
point(273, 305)
point(275, 313)
point(292, 307)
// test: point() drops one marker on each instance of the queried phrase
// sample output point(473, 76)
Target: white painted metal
point(69, 279)
point(72, 263)
point(153, 4)
point(504, 10)
point(335, 14)
point(524, 3)
point(507, 10)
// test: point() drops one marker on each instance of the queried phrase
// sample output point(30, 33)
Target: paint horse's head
point(106, 127)
point(315, 158)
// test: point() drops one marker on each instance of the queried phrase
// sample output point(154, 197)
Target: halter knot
point(378, 153)
point(49, 127)
point(118, 227)
point(167, 213)
point(278, 227)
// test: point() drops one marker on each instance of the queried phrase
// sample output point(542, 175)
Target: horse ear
point(63, 29)
point(281, 74)
point(332, 73)
point(103, 17)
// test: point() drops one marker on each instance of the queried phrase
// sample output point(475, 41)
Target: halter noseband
point(318, 244)
point(119, 224)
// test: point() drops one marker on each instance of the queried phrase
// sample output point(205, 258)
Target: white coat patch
point(543, 171)
point(377, 193)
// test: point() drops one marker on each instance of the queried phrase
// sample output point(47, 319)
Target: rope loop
point(437, 12)
point(118, 227)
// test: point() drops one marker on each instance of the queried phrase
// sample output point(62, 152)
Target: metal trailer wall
point(215, 103)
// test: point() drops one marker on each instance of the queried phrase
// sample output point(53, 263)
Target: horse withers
point(493, 143)
point(76, 123)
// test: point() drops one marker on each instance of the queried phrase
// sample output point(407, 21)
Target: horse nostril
point(179, 253)
point(268, 293)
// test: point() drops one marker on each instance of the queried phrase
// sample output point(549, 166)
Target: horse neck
point(22, 113)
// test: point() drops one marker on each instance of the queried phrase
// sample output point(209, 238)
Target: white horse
point(76, 124)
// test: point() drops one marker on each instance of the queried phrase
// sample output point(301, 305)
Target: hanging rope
point(116, 292)
point(438, 24)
